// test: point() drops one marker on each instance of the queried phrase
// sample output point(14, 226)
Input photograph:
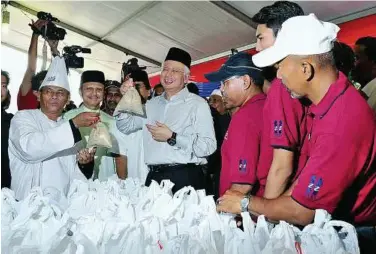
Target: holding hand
point(127, 83)
point(86, 119)
point(37, 26)
point(159, 132)
point(230, 202)
point(86, 155)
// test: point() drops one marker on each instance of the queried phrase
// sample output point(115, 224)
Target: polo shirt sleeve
point(285, 114)
point(244, 148)
point(29, 101)
point(328, 173)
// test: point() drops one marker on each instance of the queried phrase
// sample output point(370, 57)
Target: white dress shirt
point(186, 114)
point(370, 91)
point(41, 153)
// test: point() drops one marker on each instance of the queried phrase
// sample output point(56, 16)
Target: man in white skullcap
point(41, 144)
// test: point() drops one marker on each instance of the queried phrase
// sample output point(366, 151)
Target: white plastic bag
point(130, 103)
point(282, 240)
point(100, 137)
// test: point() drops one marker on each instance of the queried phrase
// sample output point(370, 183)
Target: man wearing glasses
point(241, 86)
point(178, 131)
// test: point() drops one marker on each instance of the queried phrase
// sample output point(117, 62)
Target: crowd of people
point(290, 130)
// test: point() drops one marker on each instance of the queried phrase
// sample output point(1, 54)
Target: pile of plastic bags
point(126, 217)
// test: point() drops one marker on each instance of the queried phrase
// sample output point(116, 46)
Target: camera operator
point(26, 98)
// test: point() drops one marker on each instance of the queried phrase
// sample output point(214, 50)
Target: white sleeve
point(203, 142)
point(128, 123)
point(33, 145)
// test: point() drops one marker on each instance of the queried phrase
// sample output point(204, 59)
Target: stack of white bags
point(126, 217)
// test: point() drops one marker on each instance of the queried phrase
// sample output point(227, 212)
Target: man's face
point(92, 94)
point(265, 37)
point(363, 71)
point(145, 93)
point(4, 88)
point(159, 91)
point(233, 91)
point(216, 102)
point(290, 72)
point(172, 75)
point(53, 99)
point(113, 96)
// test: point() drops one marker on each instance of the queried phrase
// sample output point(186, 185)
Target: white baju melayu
point(41, 153)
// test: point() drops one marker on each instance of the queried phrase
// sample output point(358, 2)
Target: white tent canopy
point(148, 29)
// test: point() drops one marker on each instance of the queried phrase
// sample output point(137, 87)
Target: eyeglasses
point(50, 93)
point(226, 81)
point(92, 90)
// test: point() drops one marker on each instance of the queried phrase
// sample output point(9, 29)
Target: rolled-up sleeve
point(202, 142)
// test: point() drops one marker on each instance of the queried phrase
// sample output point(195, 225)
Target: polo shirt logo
point(243, 166)
point(278, 128)
point(226, 136)
point(314, 187)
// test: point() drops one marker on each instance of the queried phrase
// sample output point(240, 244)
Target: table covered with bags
point(119, 216)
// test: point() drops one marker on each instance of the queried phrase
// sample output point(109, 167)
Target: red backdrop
point(349, 33)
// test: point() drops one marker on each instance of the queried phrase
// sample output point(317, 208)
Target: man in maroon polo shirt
point(284, 117)
point(241, 87)
point(338, 175)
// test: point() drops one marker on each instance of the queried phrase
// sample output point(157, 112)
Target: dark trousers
point(367, 239)
point(181, 175)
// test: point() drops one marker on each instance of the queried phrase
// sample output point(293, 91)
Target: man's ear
point(248, 81)
point(308, 70)
point(37, 94)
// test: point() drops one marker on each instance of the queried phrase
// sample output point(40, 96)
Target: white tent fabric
point(151, 28)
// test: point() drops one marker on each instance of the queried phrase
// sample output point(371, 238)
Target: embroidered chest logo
point(243, 166)
point(314, 187)
point(226, 135)
point(278, 128)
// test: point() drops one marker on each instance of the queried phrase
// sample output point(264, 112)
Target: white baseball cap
point(300, 35)
point(216, 92)
point(56, 74)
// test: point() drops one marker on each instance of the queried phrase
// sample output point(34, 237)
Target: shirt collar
point(85, 109)
point(336, 89)
point(257, 97)
point(58, 119)
point(182, 95)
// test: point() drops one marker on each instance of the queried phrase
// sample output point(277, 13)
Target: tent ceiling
point(151, 28)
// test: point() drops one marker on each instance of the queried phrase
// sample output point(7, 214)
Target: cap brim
point(269, 56)
point(217, 76)
point(110, 86)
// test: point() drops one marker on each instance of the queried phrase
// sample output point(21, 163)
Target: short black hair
point(274, 15)
point(37, 80)
point(258, 81)
point(158, 86)
point(6, 103)
point(344, 57)
point(192, 88)
point(369, 44)
point(6, 75)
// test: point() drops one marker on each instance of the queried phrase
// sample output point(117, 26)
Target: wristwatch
point(244, 204)
point(172, 141)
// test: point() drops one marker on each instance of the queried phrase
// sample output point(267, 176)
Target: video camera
point(71, 59)
point(50, 31)
point(130, 66)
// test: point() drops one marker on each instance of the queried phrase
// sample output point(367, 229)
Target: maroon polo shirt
point(241, 145)
point(338, 176)
point(284, 128)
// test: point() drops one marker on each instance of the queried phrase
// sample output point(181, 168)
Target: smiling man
point(338, 176)
point(178, 131)
point(107, 161)
point(41, 143)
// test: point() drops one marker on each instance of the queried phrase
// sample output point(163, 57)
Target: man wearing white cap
point(338, 175)
point(41, 144)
